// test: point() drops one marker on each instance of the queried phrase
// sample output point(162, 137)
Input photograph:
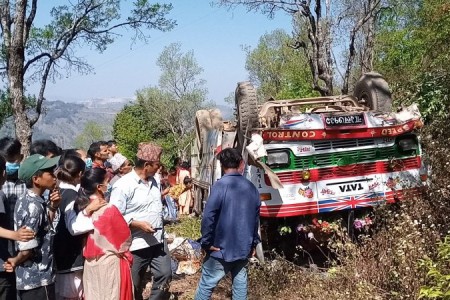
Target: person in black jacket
point(67, 248)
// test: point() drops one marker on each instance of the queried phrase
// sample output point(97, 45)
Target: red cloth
point(112, 234)
point(109, 225)
point(126, 283)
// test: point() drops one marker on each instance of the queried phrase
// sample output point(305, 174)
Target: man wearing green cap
point(35, 276)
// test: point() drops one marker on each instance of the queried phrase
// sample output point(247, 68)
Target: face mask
point(12, 168)
point(88, 163)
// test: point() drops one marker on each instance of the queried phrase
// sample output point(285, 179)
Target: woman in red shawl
point(107, 274)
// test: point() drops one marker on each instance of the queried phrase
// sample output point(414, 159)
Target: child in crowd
point(172, 195)
point(185, 200)
point(33, 264)
point(169, 206)
point(7, 279)
point(67, 248)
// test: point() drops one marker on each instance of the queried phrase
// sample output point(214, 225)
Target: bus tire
point(247, 110)
point(373, 91)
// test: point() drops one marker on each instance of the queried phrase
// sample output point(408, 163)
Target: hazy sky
point(215, 34)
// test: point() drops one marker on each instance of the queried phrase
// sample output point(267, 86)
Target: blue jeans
point(214, 269)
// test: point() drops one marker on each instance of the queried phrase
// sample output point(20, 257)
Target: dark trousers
point(42, 293)
point(158, 258)
point(8, 286)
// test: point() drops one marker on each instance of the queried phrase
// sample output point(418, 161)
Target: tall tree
point(180, 94)
point(314, 22)
point(39, 53)
point(171, 106)
point(358, 18)
point(92, 132)
point(277, 69)
point(412, 51)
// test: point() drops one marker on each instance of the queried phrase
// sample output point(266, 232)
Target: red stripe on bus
point(339, 133)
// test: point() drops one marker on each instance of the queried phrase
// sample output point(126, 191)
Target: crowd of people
point(81, 224)
point(78, 224)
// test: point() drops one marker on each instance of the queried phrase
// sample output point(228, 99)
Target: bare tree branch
point(40, 97)
point(369, 14)
point(30, 20)
point(34, 59)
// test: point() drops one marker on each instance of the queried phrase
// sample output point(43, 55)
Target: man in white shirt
point(137, 195)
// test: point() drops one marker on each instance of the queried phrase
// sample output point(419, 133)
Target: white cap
point(117, 161)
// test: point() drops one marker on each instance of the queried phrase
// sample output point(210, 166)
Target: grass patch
point(188, 227)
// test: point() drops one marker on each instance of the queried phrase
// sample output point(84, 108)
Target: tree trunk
point(16, 62)
point(367, 57)
point(364, 31)
point(21, 122)
point(318, 51)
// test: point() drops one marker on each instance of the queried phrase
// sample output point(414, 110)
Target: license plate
point(345, 120)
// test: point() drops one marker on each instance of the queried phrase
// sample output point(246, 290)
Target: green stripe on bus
point(344, 158)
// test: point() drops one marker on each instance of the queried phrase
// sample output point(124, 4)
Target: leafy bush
point(438, 273)
point(188, 227)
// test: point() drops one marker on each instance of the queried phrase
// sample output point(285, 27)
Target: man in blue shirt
point(229, 228)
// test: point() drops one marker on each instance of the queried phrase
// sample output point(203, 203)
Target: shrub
point(438, 273)
point(188, 227)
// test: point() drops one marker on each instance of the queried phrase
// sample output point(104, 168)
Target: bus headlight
point(278, 158)
point(407, 143)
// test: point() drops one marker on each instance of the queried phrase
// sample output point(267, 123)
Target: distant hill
point(63, 121)
point(227, 112)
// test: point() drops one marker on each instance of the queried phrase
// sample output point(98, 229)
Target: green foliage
point(412, 53)
point(6, 110)
point(432, 95)
point(280, 71)
point(133, 125)
point(93, 24)
point(438, 273)
point(180, 74)
point(92, 132)
point(188, 227)
point(130, 128)
point(5, 107)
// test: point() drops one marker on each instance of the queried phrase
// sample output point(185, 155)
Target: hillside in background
point(62, 122)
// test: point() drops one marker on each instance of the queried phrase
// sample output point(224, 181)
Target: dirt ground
point(183, 288)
